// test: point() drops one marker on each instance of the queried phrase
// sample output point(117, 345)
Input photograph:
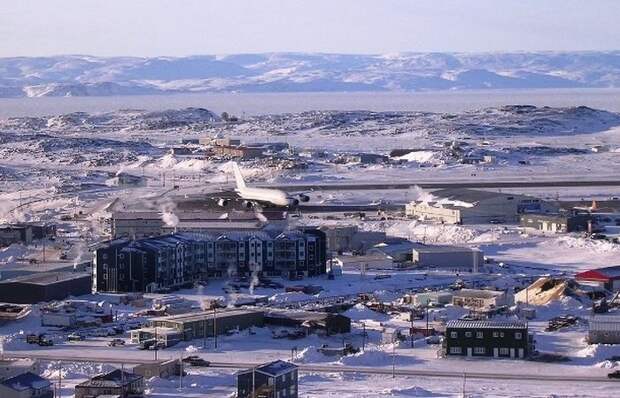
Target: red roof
point(605, 274)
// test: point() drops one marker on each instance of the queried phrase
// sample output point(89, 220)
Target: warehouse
point(605, 278)
point(363, 263)
point(311, 320)
point(604, 329)
point(348, 238)
point(201, 324)
point(452, 258)
point(470, 206)
point(44, 286)
point(507, 339)
point(556, 223)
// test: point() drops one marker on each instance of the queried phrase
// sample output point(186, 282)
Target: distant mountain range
point(81, 75)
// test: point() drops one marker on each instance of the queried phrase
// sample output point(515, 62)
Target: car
point(614, 375)
point(45, 342)
point(195, 360)
point(75, 337)
point(33, 338)
point(146, 344)
point(115, 342)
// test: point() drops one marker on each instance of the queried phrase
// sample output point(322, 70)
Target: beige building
point(480, 299)
point(469, 206)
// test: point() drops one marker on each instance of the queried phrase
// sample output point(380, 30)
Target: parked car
point(33, 338)
point(195, 360)
point(115, 342)
point(75, 337)
point(614, 375)
point(45, 342)
point(146, 344)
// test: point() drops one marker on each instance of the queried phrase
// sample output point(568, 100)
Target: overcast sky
point(184, 27)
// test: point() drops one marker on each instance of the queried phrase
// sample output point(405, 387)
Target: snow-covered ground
point(62, 168)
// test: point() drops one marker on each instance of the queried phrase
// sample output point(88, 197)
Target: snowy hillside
point(78, 75)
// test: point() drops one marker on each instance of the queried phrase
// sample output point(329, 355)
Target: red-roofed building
point(607, 277)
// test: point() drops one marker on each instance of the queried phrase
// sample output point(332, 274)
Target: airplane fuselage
point(264, 195)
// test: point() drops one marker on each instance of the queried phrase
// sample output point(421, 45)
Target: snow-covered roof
point(277, 368)
point(26, 381)
point(478, 293)
point(463, 324)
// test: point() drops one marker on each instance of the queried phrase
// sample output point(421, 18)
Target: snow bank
point(361, 312)
point(573, 242)
point(170, 162)
point(414, 391)
point(311, 355)
point(378, 357)
point(289, 297)
point(418, 156)
point(11, 253)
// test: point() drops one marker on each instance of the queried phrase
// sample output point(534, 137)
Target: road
point(128, 359)
point(348, 186)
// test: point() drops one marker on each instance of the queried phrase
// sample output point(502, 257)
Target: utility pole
point(204, 333)
point(181, 369)
point(215, 326)
point(411, 329)
point(394, 357)
point(59, 379)
point(364, 336)
point(253, 382)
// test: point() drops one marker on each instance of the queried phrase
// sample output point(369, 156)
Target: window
point(501, 334)
point(518, 335)
point(454, 335)
point(479, 335)
point(456, 350)
point(479, 350)
point(504, 351)
point(467, 334)
point(495, 334)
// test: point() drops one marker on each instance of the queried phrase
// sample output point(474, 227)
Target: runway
point(348, 186)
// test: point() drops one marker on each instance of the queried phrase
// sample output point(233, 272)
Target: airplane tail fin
point(238, 177)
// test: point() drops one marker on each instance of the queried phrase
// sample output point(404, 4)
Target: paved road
point(348, 186)
point(128, 359)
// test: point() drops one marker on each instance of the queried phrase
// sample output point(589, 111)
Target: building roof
point(26, 381)
point(277, 368)
point(600, 274)
point(47, 278)
point(199, 316)
point(302, 316)
point(115, 378)
point(463, 324)
point(478, 293)
point(470, 195)
point(423, 248)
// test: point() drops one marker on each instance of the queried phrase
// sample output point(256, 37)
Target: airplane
point(257, 196)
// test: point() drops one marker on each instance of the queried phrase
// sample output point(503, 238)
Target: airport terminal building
point(176, 260)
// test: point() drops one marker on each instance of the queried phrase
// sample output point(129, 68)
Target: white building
point(367, 262)
point(480, 299)
point(13, 367)
point(604, 329)
point(452, 258)
point(469, 206)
